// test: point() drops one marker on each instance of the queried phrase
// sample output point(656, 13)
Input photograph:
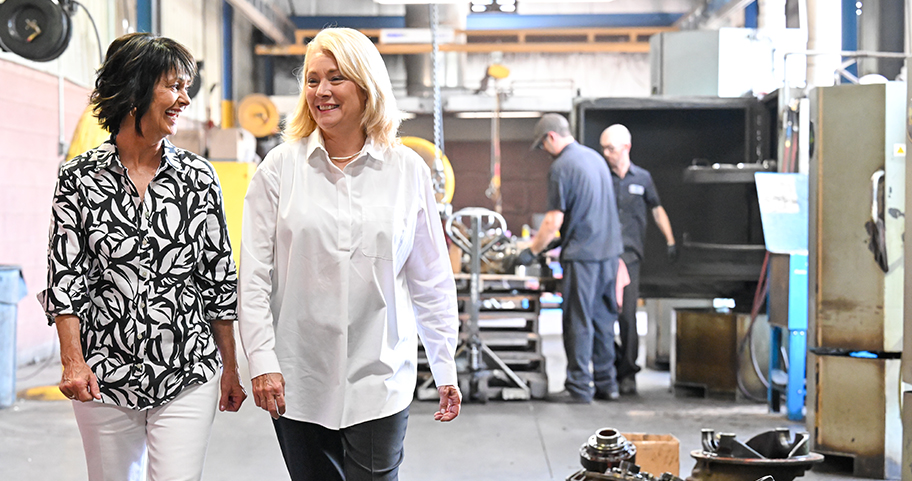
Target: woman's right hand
point(79, 382)
point(269, 393)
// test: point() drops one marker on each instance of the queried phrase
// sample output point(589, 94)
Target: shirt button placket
point(344, 203)
point(144, 259)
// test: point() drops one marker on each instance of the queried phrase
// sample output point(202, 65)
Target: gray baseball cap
point(549, 123)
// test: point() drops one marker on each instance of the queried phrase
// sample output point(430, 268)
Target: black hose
point(94, 27)
point(759, 299)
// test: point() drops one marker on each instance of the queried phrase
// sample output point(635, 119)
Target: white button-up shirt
point(340, 271)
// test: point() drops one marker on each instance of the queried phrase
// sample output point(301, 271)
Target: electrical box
point(728, 62)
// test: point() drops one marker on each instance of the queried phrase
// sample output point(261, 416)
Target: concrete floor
point(503, 441)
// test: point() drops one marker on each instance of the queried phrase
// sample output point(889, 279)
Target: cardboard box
point(656, 453)
point(193, 140)
point(232, 144)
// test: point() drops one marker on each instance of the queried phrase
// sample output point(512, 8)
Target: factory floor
point(499, 440)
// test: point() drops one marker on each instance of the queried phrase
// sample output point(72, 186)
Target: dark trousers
point(628, 350)
point(589, 312)
point(370, 451)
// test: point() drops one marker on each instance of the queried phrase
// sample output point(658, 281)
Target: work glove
point(672, 253)
point(525, 257)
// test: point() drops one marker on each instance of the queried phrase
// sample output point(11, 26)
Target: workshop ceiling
point(323, 7)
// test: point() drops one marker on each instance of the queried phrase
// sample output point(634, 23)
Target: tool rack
point(508, 326)
point(499, 353)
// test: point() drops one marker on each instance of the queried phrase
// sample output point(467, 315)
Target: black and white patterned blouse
point(144, 276)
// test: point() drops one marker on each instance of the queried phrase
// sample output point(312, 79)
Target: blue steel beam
point(227, 65)
point(144, 16)
point(850, 30)
point(751, 15)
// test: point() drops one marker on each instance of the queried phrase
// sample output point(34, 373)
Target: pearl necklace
point(348, 157)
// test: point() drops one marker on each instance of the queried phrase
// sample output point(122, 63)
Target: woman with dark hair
point(141, 284)
point(343, 266)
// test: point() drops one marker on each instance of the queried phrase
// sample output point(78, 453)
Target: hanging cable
point(94, 27)
point(439, 176)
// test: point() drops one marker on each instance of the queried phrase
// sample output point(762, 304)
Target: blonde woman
point(343, 265)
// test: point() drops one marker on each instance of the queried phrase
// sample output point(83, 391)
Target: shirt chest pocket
point(377, 238)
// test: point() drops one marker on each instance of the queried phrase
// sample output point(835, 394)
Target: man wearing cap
point(581, 206)
point(635, 194)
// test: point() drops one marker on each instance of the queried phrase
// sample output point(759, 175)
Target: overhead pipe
point(61, 135)
point(824, 19)
point(772, 14)
point(227, 65)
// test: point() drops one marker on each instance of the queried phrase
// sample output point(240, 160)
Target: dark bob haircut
point(126, 80)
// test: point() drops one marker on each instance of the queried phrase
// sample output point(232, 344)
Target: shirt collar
point(314, 143)
point(106, 155)
point(171, 157)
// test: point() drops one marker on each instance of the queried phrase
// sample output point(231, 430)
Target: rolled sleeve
point(67, 291)
point(216, 273)
point(433, 291)
point(258, 233)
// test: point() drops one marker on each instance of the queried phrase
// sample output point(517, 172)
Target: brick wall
point(28, 170)
point(524, 174)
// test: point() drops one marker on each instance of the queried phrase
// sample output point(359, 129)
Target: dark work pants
point(370, 451)
point(589, 312)
point(628, 350)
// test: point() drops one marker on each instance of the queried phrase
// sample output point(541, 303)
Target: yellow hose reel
point(429, 152)
point(258, 115)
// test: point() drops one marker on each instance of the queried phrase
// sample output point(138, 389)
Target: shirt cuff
point(445, 374)
point(56, 301)
point(263, 362)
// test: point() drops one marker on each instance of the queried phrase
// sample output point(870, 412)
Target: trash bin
point(12, 290)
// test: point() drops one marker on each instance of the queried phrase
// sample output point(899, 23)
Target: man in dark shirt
point(581, 206)
point(635, 194)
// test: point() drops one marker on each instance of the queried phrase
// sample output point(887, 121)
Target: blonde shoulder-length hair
point(360, 62)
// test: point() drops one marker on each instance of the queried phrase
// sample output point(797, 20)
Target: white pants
point(169, 441)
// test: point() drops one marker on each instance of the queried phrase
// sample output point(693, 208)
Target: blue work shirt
point(636, 196)
point(580, 186)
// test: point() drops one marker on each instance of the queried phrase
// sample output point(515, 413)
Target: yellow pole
point(227, 114)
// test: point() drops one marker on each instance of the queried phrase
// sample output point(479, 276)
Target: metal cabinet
point(856, 297)
point(702, 154)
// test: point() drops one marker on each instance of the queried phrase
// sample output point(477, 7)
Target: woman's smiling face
point(335, 102)
point(169, 99)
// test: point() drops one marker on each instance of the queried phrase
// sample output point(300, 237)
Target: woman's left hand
point(233, 394)
point(450, 402)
